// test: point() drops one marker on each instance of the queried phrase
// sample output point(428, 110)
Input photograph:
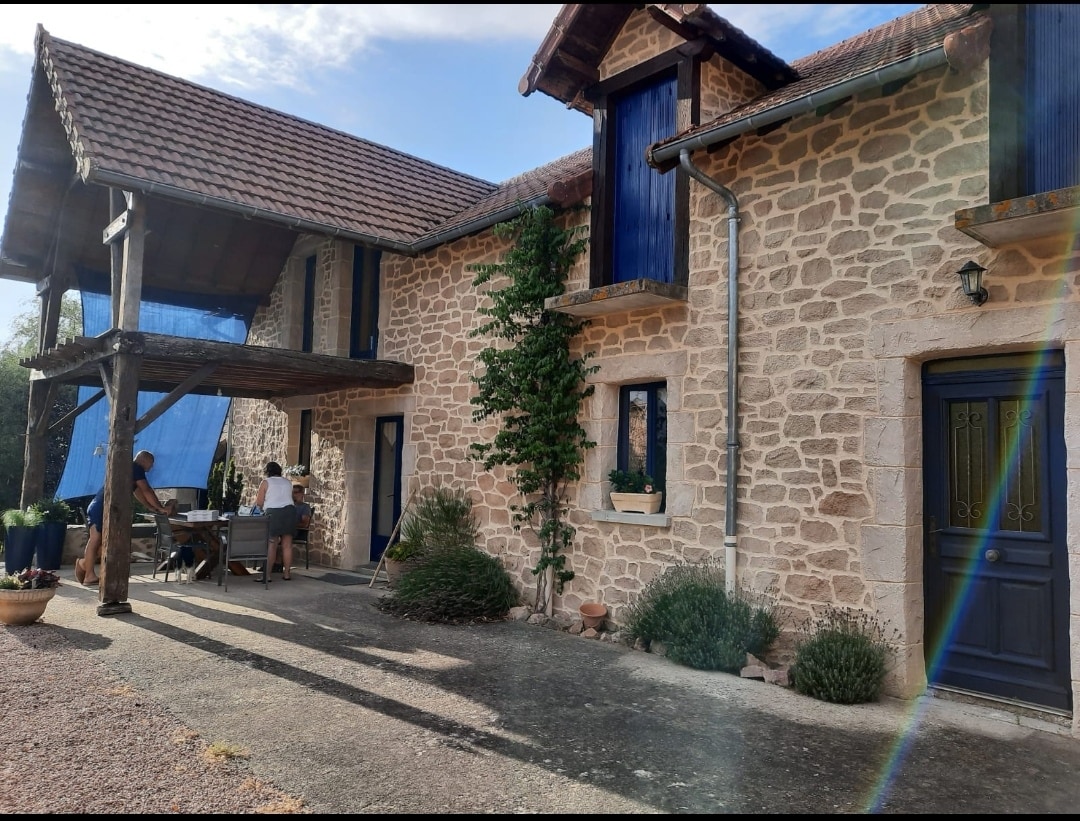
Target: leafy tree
point(14, 394)
point(533, 384)
point(22, 342)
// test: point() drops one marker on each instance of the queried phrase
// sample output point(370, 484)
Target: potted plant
point(633, 491)
point(53, 515)
point(297, 474)
point(441, 518)
point(20, 538)
point(397, 558)
point(25, 595)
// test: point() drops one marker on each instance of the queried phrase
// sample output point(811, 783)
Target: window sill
point(645, 519)
point(1049, 214)
point(618, 298)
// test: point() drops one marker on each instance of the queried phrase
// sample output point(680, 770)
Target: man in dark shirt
point(86, 567)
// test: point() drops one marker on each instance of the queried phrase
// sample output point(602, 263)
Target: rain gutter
point(480, 223)
point(409, 249)
point(730, 542)
point(252, 212)
point(661, 155)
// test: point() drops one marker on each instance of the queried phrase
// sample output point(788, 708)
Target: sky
point(435, 81)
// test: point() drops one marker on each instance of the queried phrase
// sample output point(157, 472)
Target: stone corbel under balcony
point(618, 298)
point(1022, 218)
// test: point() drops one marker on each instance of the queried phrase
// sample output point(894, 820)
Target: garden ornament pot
point(592, 614)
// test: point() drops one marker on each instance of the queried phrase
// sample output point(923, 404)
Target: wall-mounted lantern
point(971, 279)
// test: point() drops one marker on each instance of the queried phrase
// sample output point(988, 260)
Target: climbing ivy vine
point(534, 385)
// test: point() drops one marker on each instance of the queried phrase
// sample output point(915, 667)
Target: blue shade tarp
point(185, 437)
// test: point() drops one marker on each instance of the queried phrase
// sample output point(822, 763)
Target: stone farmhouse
point(833, 304)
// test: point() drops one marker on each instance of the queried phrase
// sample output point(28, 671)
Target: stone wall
point(846, 284)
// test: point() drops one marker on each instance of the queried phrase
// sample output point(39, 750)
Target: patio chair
point(247, 539)
point(167, 553)
point(301, 539)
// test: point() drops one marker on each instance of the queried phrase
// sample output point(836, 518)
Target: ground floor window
point(643, 430)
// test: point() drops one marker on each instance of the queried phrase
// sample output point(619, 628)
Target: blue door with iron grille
point(995, 559)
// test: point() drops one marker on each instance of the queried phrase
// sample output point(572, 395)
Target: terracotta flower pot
point(592, 614)
point(24, 606)
point(395, 569)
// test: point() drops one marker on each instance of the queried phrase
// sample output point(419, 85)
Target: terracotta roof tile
point(145, 125)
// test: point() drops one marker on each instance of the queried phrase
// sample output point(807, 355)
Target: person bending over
point(86, 566)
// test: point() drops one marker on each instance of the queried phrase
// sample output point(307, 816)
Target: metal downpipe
point(730, 542)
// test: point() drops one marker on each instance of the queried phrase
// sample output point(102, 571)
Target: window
point(1034, 101)
point(303, 451)
point(643, 430)
point(364, 322)
point(308, 337)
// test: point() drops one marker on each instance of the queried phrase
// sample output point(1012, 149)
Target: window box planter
point(636, 502)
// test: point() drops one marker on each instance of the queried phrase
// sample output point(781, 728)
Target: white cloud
point(250, 44)
point(793, 30)
point(246, 45)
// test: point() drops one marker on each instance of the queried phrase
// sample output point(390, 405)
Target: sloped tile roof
point(911, 34)
point(157, 130)
point(532, 186)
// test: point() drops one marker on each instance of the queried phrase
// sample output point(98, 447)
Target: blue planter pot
point(19, 545)
point(50, 544)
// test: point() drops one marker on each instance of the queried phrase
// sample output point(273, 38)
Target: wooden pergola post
point(42, 392)
point(129, 224)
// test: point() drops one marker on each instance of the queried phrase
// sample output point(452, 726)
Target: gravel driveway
point(328, 705)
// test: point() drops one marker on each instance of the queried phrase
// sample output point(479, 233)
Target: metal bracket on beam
point(116, 229)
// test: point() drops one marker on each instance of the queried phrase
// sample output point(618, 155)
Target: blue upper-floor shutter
point(1052, 97)
point(643, 236)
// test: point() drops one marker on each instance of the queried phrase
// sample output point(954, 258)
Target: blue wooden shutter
point(643, 236)
point(1052, 98)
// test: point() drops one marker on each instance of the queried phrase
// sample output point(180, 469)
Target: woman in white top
point(275, 499)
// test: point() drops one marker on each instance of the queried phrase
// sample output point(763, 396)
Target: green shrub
point(454, 584)
point(840, 656)
point(702, 625)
